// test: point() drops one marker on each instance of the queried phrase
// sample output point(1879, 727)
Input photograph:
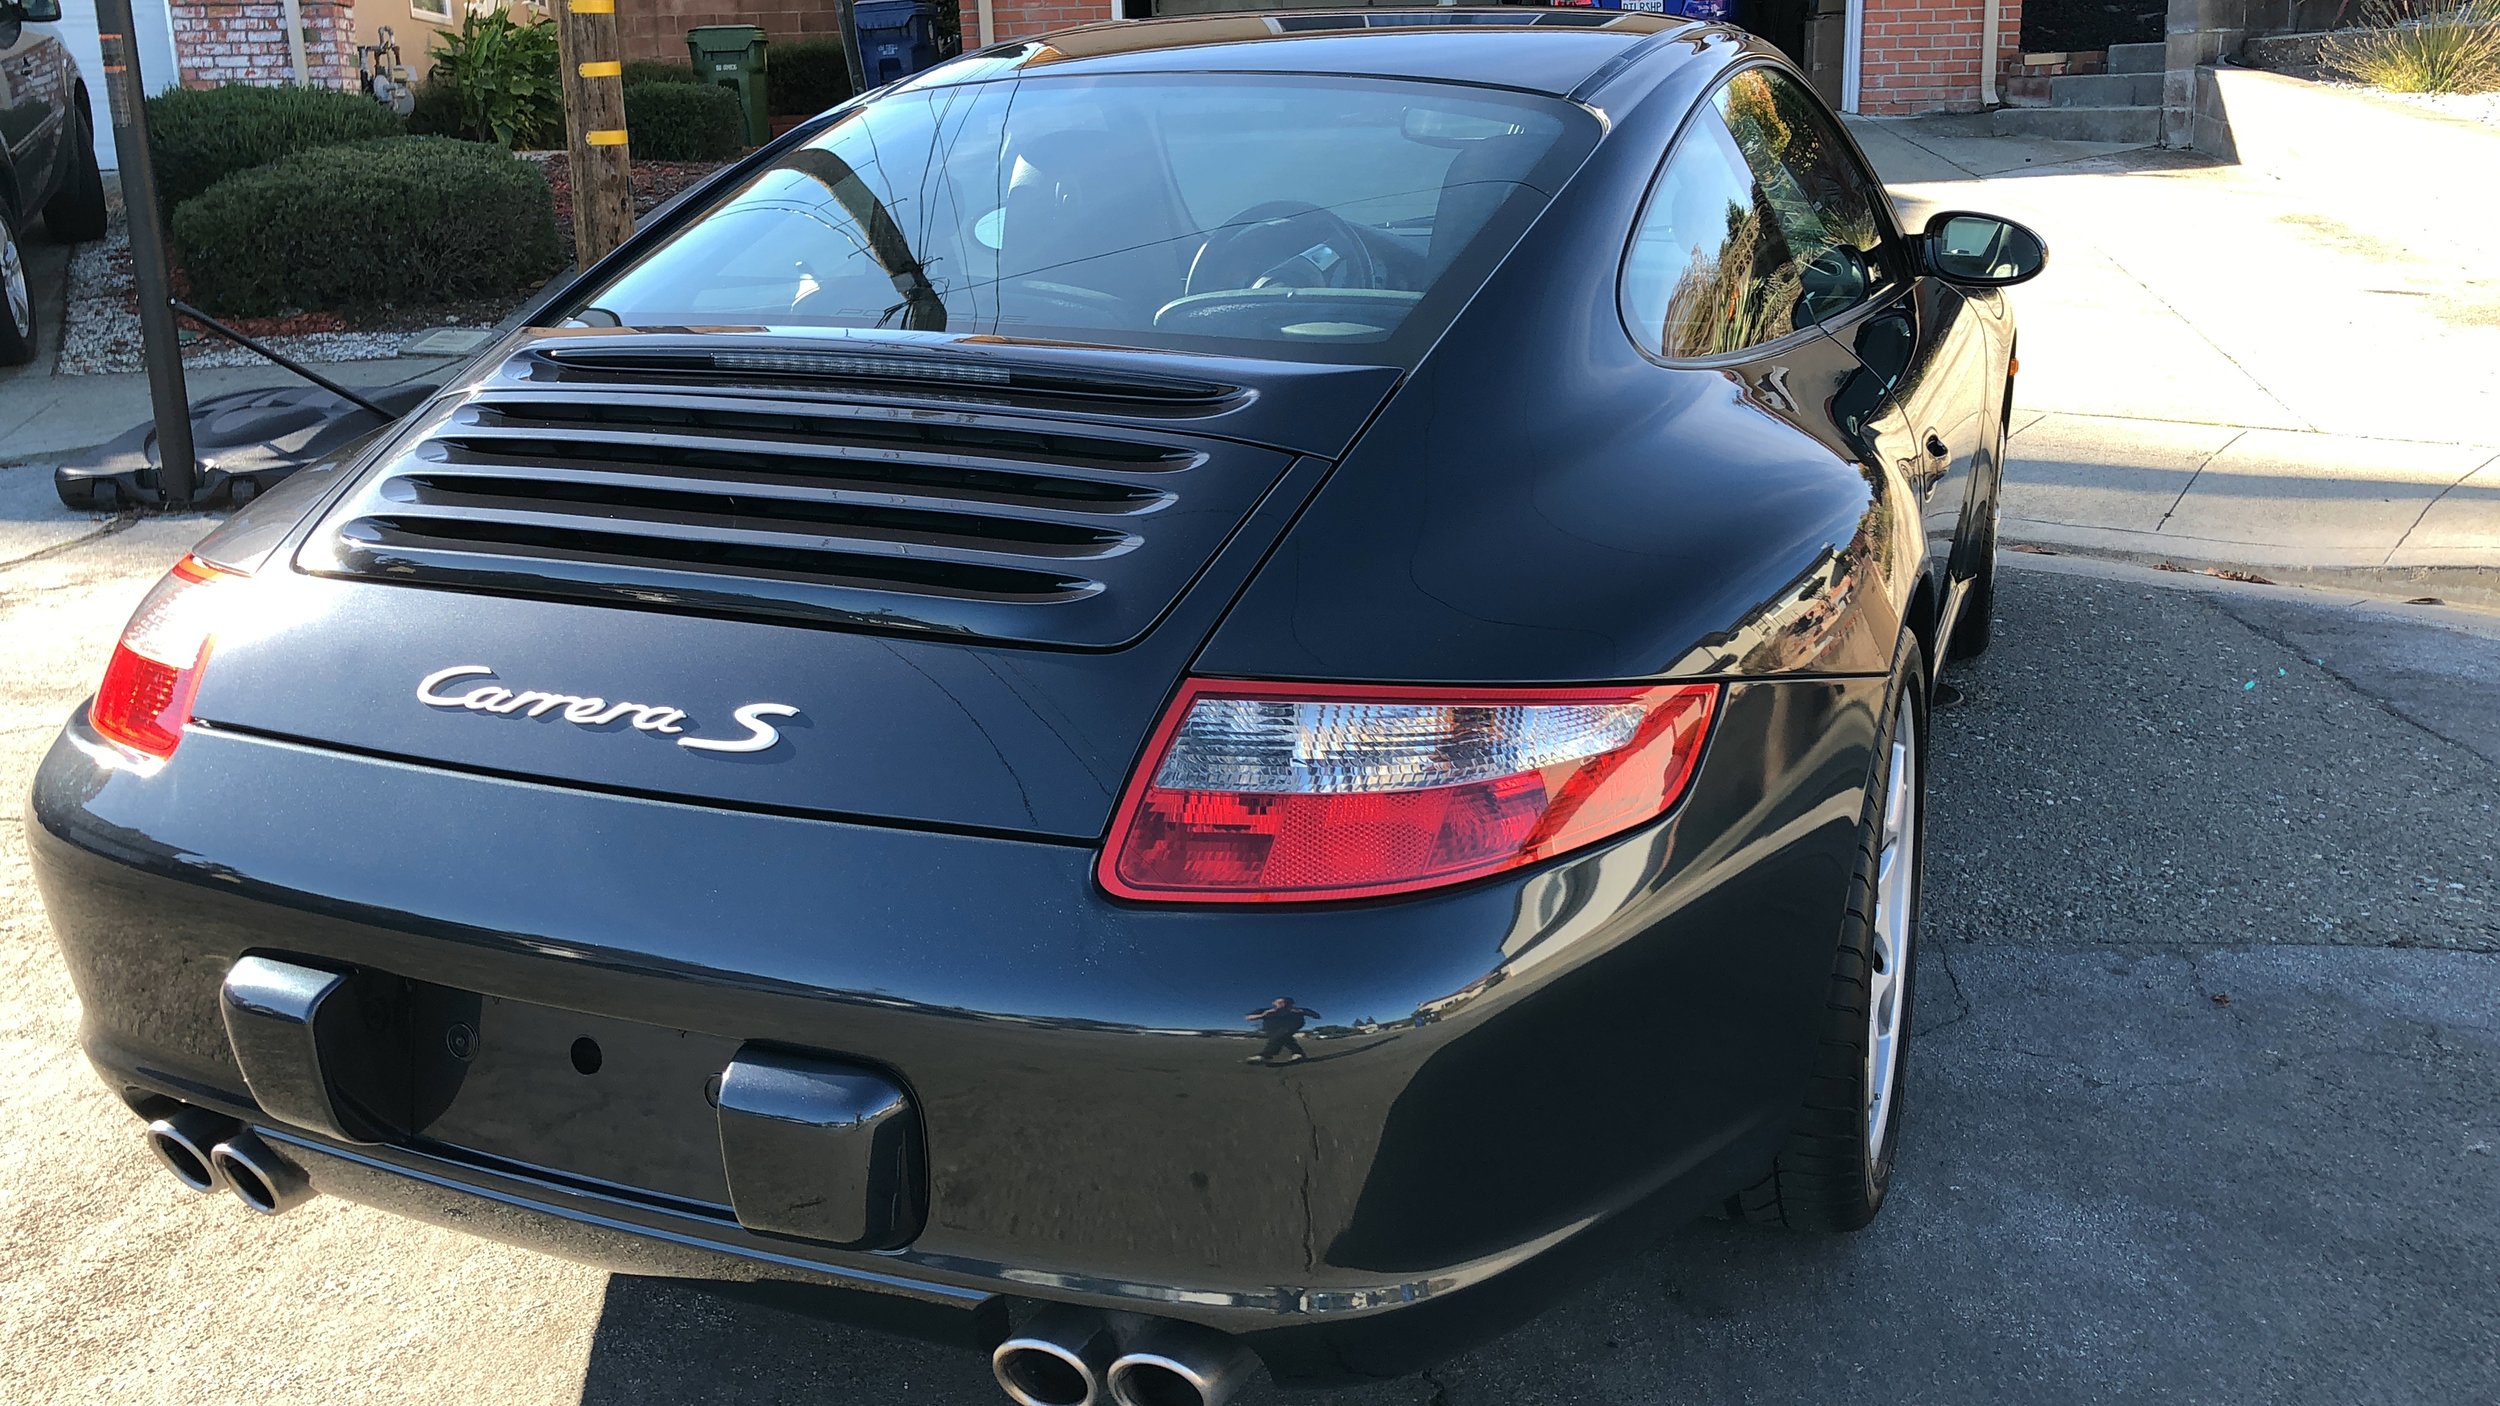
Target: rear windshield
point(1308, 218)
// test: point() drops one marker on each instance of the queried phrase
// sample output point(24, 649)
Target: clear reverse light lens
point(1276, 747)
point(1260, 793)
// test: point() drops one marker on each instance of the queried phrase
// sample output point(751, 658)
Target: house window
point(439, 11)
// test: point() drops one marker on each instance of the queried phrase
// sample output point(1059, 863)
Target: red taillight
point(1270, 793)
point(155, 673)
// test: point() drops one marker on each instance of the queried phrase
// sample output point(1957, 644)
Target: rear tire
point(17, 300)
point(1837, 1166)
point(76, 214)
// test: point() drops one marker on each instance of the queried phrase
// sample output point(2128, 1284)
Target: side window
point(1760, 226)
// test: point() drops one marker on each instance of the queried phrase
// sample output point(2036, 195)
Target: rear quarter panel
point(1543, 503)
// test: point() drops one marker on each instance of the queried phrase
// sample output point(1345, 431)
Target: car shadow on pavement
point(1628, 1336)
point(664, 1340)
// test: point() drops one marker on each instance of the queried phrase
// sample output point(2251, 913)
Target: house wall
point(413, 29)
point(245, 41)
point(1923, 55)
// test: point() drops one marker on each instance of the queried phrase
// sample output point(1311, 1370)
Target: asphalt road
point(2201, 1105)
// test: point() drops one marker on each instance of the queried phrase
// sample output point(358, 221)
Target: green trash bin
point(732, 55)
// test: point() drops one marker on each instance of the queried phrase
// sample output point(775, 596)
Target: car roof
point(1540, 50)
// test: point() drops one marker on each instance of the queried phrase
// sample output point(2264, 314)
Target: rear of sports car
point(750, 803)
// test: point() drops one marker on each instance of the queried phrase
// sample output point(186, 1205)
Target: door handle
point(1936, 445)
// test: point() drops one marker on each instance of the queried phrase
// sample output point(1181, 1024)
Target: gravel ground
point(2200, 1110)
point(2473, 107)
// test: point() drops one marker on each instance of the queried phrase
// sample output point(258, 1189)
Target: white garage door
point(155, 23)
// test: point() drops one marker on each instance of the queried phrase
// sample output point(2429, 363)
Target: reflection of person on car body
point(1280, 1020)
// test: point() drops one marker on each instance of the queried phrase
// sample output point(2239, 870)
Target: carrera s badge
point(587, 711)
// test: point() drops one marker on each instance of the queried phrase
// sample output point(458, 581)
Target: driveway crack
point(2350, 684)
point(102, 531)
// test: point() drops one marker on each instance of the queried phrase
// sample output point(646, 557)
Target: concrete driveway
point(2201, 1107)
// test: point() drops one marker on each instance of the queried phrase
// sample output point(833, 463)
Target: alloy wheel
point(1896, 912)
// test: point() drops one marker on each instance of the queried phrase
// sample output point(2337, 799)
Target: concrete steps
point(2120, 105)
point(2135, 125)
point(2138, 58)
point(2105, 90)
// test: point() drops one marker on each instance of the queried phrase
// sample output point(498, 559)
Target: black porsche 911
point(1203, 694)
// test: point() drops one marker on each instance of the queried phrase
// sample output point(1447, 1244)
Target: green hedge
point(655, 71)
point(684, 122)
point(804, 78)
point(202, 135)
point(419, 220)
point(437, 111)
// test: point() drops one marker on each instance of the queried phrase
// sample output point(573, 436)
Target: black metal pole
point(158, 332)
point(848, 23)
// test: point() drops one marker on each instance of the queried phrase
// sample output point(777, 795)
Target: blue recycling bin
point(897, 38)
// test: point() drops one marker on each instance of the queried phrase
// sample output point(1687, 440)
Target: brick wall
point(1016, 19)
point(656, 29)
point(1923, 55)
point(244, 41)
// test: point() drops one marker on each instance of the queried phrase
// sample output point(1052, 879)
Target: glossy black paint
point(1624, 518)
point(1506, 1077)
point(42, 101)
point(1024, 1006)
point(279, 1018)
point(821, 1150)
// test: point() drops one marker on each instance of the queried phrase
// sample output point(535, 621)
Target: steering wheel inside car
point(1066, 303)
point(1307, 314)
point(1283, 243)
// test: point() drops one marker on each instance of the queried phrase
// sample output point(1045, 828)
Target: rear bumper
point(1497, 1068)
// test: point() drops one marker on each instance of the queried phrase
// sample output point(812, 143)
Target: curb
point(2475, 587)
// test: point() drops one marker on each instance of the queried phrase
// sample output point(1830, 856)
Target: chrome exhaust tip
point(1181, 1364)
point(185, 1141)
point(259, 1177)
point(1058, 1360)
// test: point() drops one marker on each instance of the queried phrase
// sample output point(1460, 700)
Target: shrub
point(404, 220)
point(805, 78)
point(202, 135)
point(437, 111)
point(505, 75)
point(655, 71)
point(2420, 46)
point(684, 122)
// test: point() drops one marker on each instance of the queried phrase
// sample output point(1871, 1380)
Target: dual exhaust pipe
point(1066, 1356)
point(1073, 1357)
point(208, 1152)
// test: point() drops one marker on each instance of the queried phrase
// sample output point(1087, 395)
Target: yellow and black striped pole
point(594, 116)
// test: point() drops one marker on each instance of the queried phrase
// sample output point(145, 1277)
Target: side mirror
point(1982, 251)
point(35, 11)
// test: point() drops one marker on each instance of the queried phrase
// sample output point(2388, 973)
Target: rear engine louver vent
point(982, 524)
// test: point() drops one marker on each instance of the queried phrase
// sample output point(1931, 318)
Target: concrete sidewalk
point(2225, 370)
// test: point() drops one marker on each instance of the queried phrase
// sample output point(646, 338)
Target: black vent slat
point(756, 518)
point(391, 542)
point(897, 480)
point(675, 497)
point(748, 422)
